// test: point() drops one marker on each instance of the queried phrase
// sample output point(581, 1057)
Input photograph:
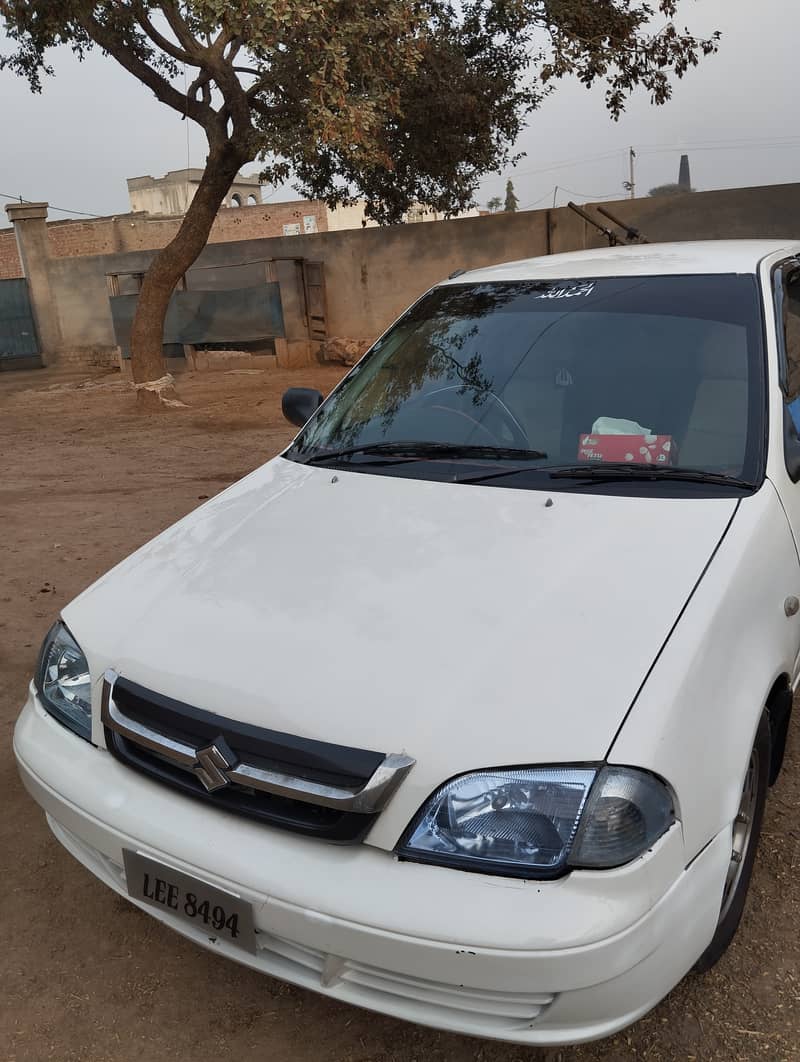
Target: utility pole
point(632, 181)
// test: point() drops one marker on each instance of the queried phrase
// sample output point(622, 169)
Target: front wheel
point(744, 846)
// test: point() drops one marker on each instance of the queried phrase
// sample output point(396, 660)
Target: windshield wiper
point(419, 451)
point(609, 471)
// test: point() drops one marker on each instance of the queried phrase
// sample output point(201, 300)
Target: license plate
point(218, 914)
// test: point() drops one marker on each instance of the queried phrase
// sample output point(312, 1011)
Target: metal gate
point(19, 347)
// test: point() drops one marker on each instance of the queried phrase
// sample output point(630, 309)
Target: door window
point(788, 298)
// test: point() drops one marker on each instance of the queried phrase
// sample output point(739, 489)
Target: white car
point(464, 708)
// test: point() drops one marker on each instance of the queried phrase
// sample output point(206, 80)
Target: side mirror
point(299, 404)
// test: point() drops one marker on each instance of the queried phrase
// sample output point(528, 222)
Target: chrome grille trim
point(177, 751)
point(371, 798)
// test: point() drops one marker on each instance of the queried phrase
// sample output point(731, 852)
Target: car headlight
point(63, 681)
point(539, 822)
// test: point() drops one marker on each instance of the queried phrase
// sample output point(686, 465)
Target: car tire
point(746, 832)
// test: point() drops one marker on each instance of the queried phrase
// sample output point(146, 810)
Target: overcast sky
point(736, 117)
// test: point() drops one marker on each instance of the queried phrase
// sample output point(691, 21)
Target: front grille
point(300, 758)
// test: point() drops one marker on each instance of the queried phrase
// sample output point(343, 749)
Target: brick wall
point(136, 232)
point(71, 239)
point(10, 266)
point(258, 222)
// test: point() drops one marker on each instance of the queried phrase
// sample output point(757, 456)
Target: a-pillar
point(30, 225)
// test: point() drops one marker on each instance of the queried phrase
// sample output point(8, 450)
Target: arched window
point(236, 200)
point(251, 200)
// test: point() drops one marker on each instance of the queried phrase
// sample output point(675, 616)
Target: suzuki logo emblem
point(212, 762)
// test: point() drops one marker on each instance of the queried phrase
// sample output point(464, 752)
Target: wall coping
point(26, 211)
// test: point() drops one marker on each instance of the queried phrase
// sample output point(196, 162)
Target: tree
point(494, 204)
point(670, 189)
point(392, 101)
point(512, 203)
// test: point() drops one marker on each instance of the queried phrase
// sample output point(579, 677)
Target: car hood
point(468, 626)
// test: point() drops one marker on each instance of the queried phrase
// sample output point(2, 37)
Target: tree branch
point(200, 83)
point(221, 41)
point(134, 64)
point(269, 110)
point(181, 29)
point(255, 88)
point(212, 59)
point(158, 38)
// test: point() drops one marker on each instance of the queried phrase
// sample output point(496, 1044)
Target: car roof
point(648, 259)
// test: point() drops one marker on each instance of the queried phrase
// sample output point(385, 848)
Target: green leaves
point(395, 101)
point(619, 41)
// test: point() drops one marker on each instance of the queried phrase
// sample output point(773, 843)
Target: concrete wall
point(80, 294)
point(737, 213)
point(161, 199)
point(372, 274)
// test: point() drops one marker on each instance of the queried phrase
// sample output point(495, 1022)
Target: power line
point(687, 145)
point(589, 195)
point(567, 165)
point(713, 145)
point(719, 147)
point(530, 206)
point(731, 144)
point(61, 210)
point(690, 145)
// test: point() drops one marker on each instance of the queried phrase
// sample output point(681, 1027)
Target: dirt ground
point(84, 480)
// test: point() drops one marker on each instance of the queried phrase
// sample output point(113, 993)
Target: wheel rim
point(742, 833)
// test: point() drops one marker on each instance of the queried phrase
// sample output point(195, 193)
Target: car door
point(784, 435)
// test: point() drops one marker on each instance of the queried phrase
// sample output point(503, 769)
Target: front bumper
point(536, 962)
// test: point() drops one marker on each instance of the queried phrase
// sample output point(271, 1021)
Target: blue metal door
point(19, 346)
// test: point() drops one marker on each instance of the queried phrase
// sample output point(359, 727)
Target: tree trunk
point(170, 264)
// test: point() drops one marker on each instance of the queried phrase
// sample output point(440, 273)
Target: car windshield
point(529, 377)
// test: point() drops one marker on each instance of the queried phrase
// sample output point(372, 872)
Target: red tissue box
point(636, 449)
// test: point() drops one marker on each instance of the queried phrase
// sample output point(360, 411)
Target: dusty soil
point(84, 480)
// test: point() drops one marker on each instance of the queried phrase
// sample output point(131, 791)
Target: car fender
point(694, 719)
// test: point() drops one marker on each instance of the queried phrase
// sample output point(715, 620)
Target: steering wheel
point(442, 401)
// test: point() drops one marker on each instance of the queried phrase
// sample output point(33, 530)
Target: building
point(171, 194)
point(353, 215)
point(421, 212)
